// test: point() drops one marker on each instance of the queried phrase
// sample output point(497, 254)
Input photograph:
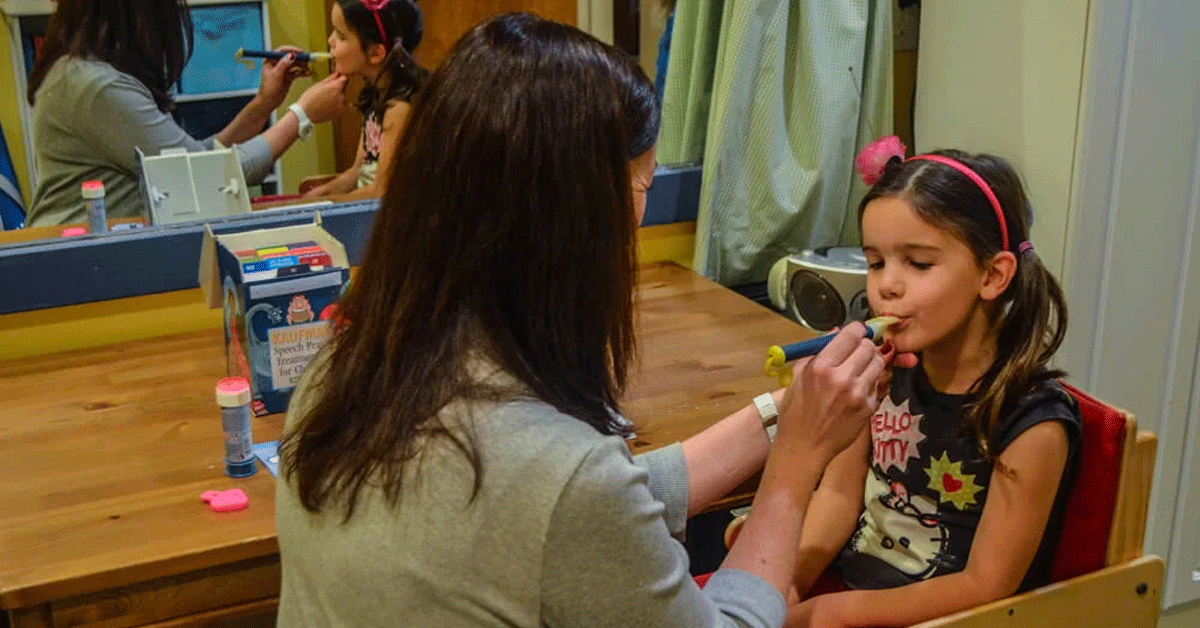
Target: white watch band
point(768, 412)
point(306, 126)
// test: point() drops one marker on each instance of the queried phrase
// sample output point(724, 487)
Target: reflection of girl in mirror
point(374, 40)
point(103, 86)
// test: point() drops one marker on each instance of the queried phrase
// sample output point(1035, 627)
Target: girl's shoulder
point(396, 106)
point(1048, 401)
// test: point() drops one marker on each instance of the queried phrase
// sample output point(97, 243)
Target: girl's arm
point(394, 120)
point(344, 181)
point(1010, 530)
point(833, 512)
point(393, 125)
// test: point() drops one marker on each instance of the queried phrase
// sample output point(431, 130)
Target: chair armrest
point(732, 529)
point(1121, 596)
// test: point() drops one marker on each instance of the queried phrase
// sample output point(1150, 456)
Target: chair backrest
point(1100, 495)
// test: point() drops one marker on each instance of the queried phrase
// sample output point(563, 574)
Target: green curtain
point(775, 97)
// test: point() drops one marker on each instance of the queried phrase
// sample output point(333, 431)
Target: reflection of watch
point(306, 126)
point(768, 412)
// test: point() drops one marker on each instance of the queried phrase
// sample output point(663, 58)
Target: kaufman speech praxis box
point(279, 288)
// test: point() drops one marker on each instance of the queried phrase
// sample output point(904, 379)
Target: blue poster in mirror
point(220, 30)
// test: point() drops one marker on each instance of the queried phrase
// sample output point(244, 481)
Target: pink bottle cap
point(233, 392)
point(92, 189)
point(73, 231)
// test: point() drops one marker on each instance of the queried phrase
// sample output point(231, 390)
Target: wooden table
point(104, 454)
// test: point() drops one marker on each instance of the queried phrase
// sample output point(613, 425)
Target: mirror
point(657, 16)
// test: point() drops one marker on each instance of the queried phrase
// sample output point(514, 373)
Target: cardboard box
point(279, 289)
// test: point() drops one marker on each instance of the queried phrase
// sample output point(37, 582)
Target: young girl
point(954, 494)
point(374, 39)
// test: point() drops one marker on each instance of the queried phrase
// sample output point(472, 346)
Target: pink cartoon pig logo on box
point(299, 311)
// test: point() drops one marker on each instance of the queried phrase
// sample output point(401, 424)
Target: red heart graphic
point(950, 484)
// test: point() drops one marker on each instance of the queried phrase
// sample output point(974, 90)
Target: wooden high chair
point(1100, 576)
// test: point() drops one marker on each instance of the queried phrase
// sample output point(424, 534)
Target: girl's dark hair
point(404, 26)
point(506, 237)
point(1030, 317)
point(150, 40)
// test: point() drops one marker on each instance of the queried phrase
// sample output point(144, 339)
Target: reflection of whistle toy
point(777, 356)
point(244, 56)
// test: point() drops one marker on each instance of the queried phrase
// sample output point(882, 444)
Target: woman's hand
point(277, 77)
point(324, 101)
point(832, 394)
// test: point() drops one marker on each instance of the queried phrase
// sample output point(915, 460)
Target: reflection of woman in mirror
point(102, 87)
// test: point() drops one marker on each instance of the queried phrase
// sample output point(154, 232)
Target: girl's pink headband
point(375, 6)
point(871, 162)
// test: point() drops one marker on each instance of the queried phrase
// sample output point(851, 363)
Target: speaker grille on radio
point(817, 303)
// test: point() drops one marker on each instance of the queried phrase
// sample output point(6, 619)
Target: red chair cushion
point(1093, 499)
point(274, 198)
point(702, 579)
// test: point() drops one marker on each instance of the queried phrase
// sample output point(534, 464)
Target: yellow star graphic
point(951, 483)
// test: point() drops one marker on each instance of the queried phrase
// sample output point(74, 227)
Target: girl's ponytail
point(1029, 332)
point(400, 78)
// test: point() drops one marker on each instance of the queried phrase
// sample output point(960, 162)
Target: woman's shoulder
point(536, 420)
point(75, 79)
point(88, 71)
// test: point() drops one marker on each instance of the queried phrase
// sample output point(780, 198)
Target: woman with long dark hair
point(103, 85)
point(454, 457)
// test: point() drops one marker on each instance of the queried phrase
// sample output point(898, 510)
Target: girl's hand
point(828, 612)
point(892, 359)
point(277, 77)
point(799, 615)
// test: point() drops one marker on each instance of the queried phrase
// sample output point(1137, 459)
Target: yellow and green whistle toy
point(777, 356)
point(244, 55)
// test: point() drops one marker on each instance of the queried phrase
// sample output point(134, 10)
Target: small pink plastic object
point(226, 501)
point(73, 231)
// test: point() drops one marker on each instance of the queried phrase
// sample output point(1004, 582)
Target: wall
point(1134, 254)
point(299, 23)
point(1005, 77)
point(302, 24)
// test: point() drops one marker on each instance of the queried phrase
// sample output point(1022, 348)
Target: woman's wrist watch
point(306, 126)
point(768, 413)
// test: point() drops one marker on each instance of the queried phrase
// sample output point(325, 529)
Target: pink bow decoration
point(871, 162)
point(374, 5)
